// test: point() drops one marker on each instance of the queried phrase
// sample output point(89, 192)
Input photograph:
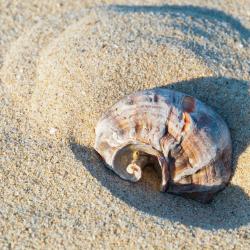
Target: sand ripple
point(59, 76)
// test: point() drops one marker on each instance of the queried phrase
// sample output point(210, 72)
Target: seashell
point(186, 141)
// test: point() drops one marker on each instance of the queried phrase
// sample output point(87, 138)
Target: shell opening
point(130, 161)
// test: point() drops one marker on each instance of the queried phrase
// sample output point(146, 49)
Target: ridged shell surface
point(182, 133)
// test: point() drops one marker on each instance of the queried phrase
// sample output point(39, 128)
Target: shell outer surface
point(190, 137)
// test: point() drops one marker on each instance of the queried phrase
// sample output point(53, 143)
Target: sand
point(63, 63)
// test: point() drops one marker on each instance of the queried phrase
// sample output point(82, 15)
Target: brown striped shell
point(187, 142)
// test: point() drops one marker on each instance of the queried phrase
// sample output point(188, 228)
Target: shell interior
point(130, 160)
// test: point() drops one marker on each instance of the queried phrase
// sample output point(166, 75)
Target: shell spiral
point(188, 141)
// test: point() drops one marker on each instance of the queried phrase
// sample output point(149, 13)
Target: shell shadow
point(230, 208)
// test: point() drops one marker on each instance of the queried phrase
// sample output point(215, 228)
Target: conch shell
point(186, 141)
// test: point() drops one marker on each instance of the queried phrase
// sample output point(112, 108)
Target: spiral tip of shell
point(134, 170)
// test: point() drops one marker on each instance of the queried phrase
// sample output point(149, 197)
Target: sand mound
point(114, 50)
point(98, 60)
point(58, 78)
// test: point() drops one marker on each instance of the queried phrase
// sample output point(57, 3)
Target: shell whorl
point(140, 117)
point(162, 120)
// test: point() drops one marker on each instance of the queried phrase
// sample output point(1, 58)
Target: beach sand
point(62, 64)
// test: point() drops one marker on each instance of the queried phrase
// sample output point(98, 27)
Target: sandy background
point(62, 63)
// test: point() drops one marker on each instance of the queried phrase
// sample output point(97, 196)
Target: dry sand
point(61, 65)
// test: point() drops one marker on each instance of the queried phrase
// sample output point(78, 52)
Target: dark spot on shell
point(188, 104)
point(156, 98)
point(137, 127)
